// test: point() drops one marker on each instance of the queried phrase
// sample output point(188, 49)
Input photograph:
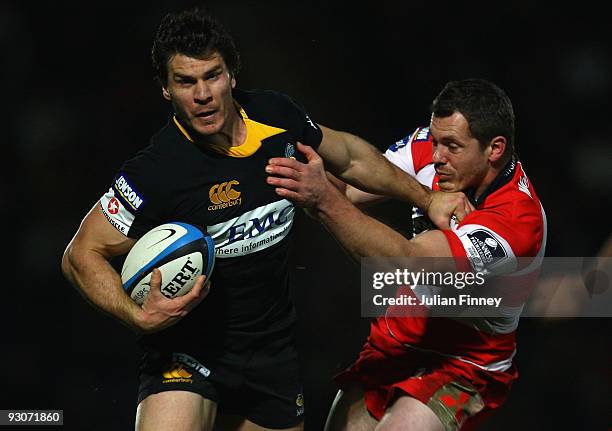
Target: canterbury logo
point(177, 372)
point(223, 195)
point(223, 192)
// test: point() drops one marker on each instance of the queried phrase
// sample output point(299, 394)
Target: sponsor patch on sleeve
point(127, 193)
point(488, 252)
point(115, 211)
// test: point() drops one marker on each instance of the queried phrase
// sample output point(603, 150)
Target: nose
point(439, 155)
point(202, 93)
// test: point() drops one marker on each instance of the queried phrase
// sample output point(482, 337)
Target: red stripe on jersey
point(458, 251)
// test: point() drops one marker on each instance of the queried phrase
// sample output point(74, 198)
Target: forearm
point(364, 167)
point(359, 234)
point(100, 284)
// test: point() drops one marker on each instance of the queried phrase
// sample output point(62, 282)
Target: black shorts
point(261, 386)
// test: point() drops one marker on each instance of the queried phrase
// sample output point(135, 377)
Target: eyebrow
point(215, 69)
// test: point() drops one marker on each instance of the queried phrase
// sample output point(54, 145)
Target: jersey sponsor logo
point(177, 374)
point(487, 249)
point(399, 144)
point(115, 212)
point(113, 206)
point(187, 272)
point(128, 193)
point(254, 230)
point(421, 134)
point(224, 195)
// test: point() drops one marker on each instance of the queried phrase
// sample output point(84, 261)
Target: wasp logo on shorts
point(299, 402)
point(128, 193)
point(177, 374)
point(224, 195)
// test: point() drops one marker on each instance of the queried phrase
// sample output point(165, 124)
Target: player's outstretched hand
point(306, 184)
point(160, 312)
point(443, 206)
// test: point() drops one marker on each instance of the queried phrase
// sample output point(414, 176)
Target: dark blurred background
point(81, 98)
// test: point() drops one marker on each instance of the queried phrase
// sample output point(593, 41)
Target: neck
point(486, 182)
point(497, 175)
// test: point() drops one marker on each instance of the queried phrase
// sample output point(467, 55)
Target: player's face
point(458, 159)
point(201, 93)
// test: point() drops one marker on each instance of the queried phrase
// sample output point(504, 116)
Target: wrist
point(329, 201)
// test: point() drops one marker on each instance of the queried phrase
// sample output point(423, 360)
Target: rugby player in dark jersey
point(235, 352)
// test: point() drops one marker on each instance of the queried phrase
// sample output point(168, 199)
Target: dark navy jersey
point(225, 193)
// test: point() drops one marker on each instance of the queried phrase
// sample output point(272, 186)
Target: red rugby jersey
point(509, 222)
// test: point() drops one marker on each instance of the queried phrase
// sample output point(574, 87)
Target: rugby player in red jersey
point(436, 373)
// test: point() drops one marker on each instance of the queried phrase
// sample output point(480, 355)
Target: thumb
point(156, 279)
point(308, 152)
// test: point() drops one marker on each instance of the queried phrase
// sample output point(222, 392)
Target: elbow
point(67, 263)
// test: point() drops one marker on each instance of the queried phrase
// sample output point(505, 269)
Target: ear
point(233, 81)
point(166, 93)
point(497, 148)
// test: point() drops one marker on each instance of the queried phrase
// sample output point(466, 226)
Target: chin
point(448, 187)
point(207, 130)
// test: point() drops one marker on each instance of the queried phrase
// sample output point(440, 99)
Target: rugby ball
point(180, 251)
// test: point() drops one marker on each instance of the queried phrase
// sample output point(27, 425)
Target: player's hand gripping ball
point(179, 250)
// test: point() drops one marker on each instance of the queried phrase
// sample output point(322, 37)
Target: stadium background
point(80, 98)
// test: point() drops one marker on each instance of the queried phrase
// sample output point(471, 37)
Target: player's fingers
point(286, 162)
point(308, 151)
point(290, 195)
point(459, 211)
point(283, 183)
point(197, 294)
point(443, 222)
point(281, 171)
point(191, 296)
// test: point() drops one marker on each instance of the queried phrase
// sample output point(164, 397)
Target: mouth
point(443, 175)
point(206, 115)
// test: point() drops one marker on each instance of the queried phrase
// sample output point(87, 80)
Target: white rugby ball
point(180, 251)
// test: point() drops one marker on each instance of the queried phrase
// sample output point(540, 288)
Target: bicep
point(334, 149)
point(96, 234)
point(432, 243)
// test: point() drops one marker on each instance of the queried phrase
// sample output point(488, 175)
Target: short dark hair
point(195, 34)
point(485, 106)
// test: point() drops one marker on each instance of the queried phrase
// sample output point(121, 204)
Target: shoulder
point(513, 213)
point(269, 106)
point(413, 152)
